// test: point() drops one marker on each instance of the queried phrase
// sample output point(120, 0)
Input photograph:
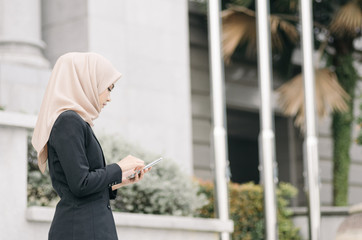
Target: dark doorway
point(244, 163)
point(243, 129)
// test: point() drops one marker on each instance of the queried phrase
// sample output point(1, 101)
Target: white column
point(311, 155)
point(13, 174)
point(219, 114)
point(20, 33)
point(13, 182)
point(266, 136)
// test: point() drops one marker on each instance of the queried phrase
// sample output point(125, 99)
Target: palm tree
point(339, 23)
point(344, 28)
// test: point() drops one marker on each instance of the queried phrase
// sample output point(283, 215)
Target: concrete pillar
point(13, 174)
point(13, 181)
point(20, 33)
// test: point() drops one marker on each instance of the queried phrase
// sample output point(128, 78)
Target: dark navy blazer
point(82, 180)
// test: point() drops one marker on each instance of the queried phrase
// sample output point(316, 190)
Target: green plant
point(247, 211)
point(359, 122)
point(342, 130)
point(40, 190)
point(166, 189)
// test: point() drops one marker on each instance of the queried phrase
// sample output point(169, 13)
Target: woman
point(79, 87)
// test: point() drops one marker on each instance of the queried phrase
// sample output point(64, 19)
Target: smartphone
point(146, 167)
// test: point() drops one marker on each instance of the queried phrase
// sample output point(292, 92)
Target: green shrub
point(166, 189)
point(359, 122)
point(247, 211)
point(40, 190)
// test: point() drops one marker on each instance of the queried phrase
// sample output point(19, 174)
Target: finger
point(136, 177)
point(142, 174)
point(138, 169)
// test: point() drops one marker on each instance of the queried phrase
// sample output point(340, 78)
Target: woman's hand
point(126, 181)
point(130, 163)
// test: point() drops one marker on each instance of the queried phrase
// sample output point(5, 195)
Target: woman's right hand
point(131, 163)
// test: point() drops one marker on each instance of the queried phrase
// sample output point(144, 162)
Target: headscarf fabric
point(75, 83)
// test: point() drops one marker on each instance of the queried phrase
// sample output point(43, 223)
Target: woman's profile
point(79, 87)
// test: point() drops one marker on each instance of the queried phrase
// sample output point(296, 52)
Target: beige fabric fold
point(75, 83)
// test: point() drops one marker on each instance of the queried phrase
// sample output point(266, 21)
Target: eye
point(110, 88)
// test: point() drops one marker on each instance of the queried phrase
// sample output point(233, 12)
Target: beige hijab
point(75, 84)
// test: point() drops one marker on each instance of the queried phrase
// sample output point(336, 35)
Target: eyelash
point(110, 88)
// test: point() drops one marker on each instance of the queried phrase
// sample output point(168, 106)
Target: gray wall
point(147, 41)
point(200, 95)
point(326, 164)
point(64, 27)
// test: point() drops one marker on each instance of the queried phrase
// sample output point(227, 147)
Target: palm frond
point(289, 30)
point(348, 21)
point(330, 96)
point(239, 27)
point(279, 26)
point(284, 6)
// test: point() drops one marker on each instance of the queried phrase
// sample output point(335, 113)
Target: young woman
point(79, 87)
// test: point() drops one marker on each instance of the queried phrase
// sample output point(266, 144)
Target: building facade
point(150, 104)
point(242, 103)
point(162, 102)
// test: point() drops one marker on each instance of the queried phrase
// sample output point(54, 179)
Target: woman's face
point(105, 96)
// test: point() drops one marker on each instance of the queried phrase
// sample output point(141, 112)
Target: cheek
point(101, 99)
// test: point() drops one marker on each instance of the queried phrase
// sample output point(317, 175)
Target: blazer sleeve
point(112, 194)
point(69, 141)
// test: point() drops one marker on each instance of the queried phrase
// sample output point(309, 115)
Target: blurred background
point(162, 107)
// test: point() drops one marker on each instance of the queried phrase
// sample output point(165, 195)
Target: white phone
point(147, 166)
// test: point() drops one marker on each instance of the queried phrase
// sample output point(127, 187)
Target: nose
point(109, 98)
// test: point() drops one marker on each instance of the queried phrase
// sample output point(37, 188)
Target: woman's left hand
point(126, 181)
